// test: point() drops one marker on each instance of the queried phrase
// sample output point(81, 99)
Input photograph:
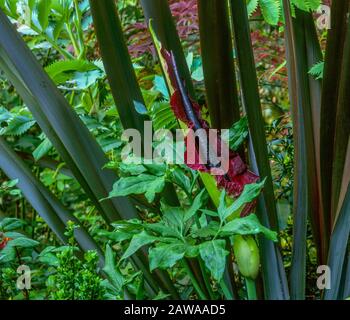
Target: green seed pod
point(247, 256)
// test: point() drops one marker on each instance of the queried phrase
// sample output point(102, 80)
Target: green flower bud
point(247, 255)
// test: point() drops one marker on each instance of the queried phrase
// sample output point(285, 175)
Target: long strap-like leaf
point(273, 273)
point(252, 101)
point(342, 130)
point(165, 30)
point(60, 123)
point(42, 200)
point(330, 89)
point(274, 282)
point(320, 219)
point(346, 283)
point(306, 197)
point(338, 248)
point(121, 75)
point(118, 65)
point(218, 63)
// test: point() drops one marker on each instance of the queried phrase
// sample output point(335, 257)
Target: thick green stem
point(73, 40)
point(204, 271)
point(61, 51)
point(227, 293)
point(251, 289)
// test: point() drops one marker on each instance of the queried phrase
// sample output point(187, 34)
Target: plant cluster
point(76, 73)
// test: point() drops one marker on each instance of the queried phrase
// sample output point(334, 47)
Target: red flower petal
point(177, 106)
point(238, 174)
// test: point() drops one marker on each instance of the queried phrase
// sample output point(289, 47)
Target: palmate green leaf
point(44, 8)
point(156, 169)
point(116, 236)
point(214, 255)
point(209, 213)
point(136, 165)
point(174, 218)
point(179, 177)
point(113, 275)
point(162, 229)
point(27, 12)
point(237, 134)
point(164, 256)
point(247, 225)
point(61, 6)
point(137, 242)
point(143, 184)
point(198, 203)
point(210, 230)
point(127, 225)
point(132, 169)
point(192, 251)
point(271, 10)
point(222, 206)
point(250, 192)
point(57, 29)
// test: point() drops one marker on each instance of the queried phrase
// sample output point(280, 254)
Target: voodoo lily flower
point(189, 112)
